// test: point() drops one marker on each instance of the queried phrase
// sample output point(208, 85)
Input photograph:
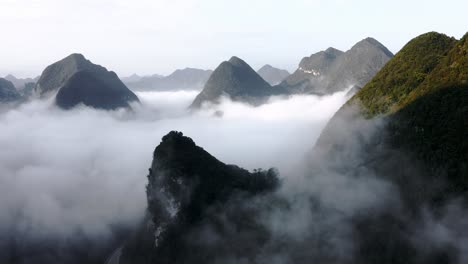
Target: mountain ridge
point(181, 79)
point(332, 70)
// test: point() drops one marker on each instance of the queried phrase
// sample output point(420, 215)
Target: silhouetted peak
point(176, 137)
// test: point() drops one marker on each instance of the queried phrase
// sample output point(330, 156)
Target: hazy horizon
point(157, 37)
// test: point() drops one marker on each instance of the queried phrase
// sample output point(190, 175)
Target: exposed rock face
point(76, 80)
point(8, 92)
point(332, 70)
point(186, 79)
point(272, 75)
point(236, 80)
point(188, 189)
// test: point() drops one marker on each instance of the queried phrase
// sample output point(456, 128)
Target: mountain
point(423, 93)
point(132, 78)
point(190, 191)
point(8, 92)
point(95, 91)
point(76, 80)
point(407, 128)
point(312, 71)
point(236, 80)
point(20, 83)
point(272, 75)
point(332, 70)
point(407, 71)
point(185, 79)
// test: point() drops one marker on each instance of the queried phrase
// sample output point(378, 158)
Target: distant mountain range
point(272, 75)
point(405, 129)
point(323, 73)
point(75, 80)
point(8, 92)
point(236, 80)
point(332, 70)
point(185, 79)
point(20, 83)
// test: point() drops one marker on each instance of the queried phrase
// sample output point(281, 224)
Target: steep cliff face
point(189, 193)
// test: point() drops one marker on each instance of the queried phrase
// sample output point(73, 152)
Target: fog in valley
point(83, 172)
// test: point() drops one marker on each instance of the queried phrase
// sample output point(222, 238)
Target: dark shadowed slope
point(236, 80)
point(86, 88)
point(189, 192)
point(407, 126)
point(8, 92)
point(76, 80)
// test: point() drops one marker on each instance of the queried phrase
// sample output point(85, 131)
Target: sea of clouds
point(84, 170)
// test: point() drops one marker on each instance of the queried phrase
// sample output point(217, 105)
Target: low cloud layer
point(63, 172)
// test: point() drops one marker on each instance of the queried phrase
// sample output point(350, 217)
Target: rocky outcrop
point(188, 190)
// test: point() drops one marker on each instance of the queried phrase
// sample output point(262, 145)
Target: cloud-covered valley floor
point(84, 170)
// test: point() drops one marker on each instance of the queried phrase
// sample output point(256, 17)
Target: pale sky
point(159, 36)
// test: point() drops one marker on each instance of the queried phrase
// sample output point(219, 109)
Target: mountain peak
point(76, 58)
point(236, 80)
point(176, 136)
point(75, 80)
point(333, 51)
point(372, 42)
point(412, 65)
point(10, 77)
point(236, 61)
point(56, 74)
point(272, 75)
point(332, 70)
point(8, 92)
point(266, 67)
point(185, 185)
